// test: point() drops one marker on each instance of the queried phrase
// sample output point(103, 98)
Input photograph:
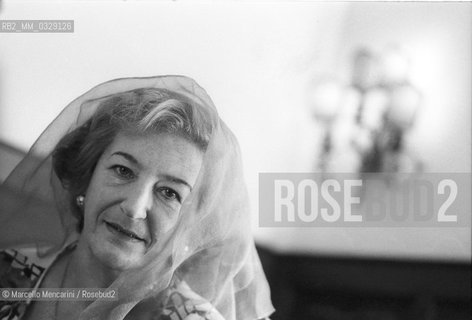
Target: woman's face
point(135, 195)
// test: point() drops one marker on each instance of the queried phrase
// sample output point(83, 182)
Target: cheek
point(91, 210)
point(98, 192)
point(161, 222)
point(96, 202)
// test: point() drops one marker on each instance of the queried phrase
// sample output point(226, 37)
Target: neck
point(82, 270)
point(85, 271)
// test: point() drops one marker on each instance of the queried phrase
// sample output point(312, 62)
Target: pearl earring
point(80, 201)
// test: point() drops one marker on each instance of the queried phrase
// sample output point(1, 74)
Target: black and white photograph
point(235, 160)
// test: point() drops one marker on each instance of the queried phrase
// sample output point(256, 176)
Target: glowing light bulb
point(326, 99)
point(395, 66)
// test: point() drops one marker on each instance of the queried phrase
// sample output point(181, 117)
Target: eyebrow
point(176, 180)
point(169, 177)
point(127, 156)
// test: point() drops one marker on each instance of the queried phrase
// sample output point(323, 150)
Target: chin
point(115, 253)
point(115, 258)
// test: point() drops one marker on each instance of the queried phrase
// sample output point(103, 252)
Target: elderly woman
point(136, 187)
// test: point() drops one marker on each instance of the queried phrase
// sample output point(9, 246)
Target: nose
point(137, 201)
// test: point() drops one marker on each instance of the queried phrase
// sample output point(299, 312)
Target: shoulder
point(22, 268)
point(18, 269)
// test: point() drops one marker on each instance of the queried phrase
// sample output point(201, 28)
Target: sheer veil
point(212, 248)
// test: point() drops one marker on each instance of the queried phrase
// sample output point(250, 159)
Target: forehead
point(157, 151)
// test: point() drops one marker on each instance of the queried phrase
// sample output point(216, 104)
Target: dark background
point(340, 288)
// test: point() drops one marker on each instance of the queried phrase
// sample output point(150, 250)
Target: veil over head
point(211, 249)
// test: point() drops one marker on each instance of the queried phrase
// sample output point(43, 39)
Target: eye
point(123, 172)
point(169, 194)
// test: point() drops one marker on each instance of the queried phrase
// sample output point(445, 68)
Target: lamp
point(326, 98)
point(386, 108)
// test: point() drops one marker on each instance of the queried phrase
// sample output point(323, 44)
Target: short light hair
point(139, 111)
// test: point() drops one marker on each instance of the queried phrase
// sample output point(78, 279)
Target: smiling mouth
point(123, 231)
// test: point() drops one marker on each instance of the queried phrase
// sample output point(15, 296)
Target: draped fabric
point(211, 248)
